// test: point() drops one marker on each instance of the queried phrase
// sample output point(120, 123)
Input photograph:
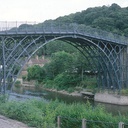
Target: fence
point(66, 122)
point(52, 26)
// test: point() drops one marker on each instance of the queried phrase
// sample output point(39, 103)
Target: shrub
point(70, 89)
point(17, 83)
point(43, 114)
point(124, 92)
point(24, 78)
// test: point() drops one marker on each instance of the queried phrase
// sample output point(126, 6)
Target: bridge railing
point(53, 27)
point(67, 122)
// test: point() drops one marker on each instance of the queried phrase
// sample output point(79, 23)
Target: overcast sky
point(41, 10)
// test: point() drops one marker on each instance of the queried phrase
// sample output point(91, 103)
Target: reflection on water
point(115, 109)
point(30, 93)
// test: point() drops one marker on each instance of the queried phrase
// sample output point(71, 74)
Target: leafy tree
point(110, 18)
point(35, 73)
point(60, 62)
point(65, 80)
point(115, 7)
point(57, 46)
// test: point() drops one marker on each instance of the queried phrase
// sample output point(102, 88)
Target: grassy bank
point(42, 114)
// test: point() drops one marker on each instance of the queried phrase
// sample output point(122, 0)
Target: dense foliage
point(110, 18)
point(42, 114)
point(64, 71)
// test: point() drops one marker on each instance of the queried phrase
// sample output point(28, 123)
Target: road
point(9, 123)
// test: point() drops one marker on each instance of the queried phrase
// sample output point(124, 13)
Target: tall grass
point(44, 114)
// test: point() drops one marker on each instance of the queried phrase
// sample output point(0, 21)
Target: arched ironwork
point(17, 45)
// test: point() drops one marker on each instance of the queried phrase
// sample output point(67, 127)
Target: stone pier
point(111, 98)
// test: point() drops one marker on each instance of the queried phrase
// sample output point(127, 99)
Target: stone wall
point(111, 98)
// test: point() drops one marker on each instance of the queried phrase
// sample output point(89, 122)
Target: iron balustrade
point(10, 28)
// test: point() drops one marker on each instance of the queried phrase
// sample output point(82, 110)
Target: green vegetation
point(17, 83)
point(42, 114)
point(124, 92)
point(64, 71)
point(35, 73)
point(109, 18)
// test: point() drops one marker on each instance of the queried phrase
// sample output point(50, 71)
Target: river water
point(24, 93)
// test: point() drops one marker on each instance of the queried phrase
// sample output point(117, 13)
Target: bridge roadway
point(38, 29)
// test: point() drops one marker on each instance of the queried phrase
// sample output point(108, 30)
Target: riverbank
point(32, 85)
point(103, 97)
point(75, 93)
point(111, 98)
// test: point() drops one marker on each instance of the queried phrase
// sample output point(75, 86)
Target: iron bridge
point(105, 52)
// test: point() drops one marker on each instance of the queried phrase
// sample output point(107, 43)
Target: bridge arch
point(106, 65)
point(107, 52)
point(25, 46)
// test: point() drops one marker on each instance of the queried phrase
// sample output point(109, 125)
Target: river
point(24, 93)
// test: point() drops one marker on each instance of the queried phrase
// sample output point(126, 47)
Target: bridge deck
point(26, 28)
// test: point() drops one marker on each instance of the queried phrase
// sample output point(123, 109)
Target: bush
point(65, 81)
point(24, 78)
point(43, 114)
point(3, 98)
point(124, 92)
point(17, 83)
point(70, 90)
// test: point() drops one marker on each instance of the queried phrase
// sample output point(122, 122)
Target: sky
point(41, 10)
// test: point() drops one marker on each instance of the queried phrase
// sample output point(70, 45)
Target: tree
point(36, 73)
point(60, 62)
point(57, 46)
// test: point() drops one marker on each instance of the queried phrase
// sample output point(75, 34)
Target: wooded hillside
point(110, 18)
